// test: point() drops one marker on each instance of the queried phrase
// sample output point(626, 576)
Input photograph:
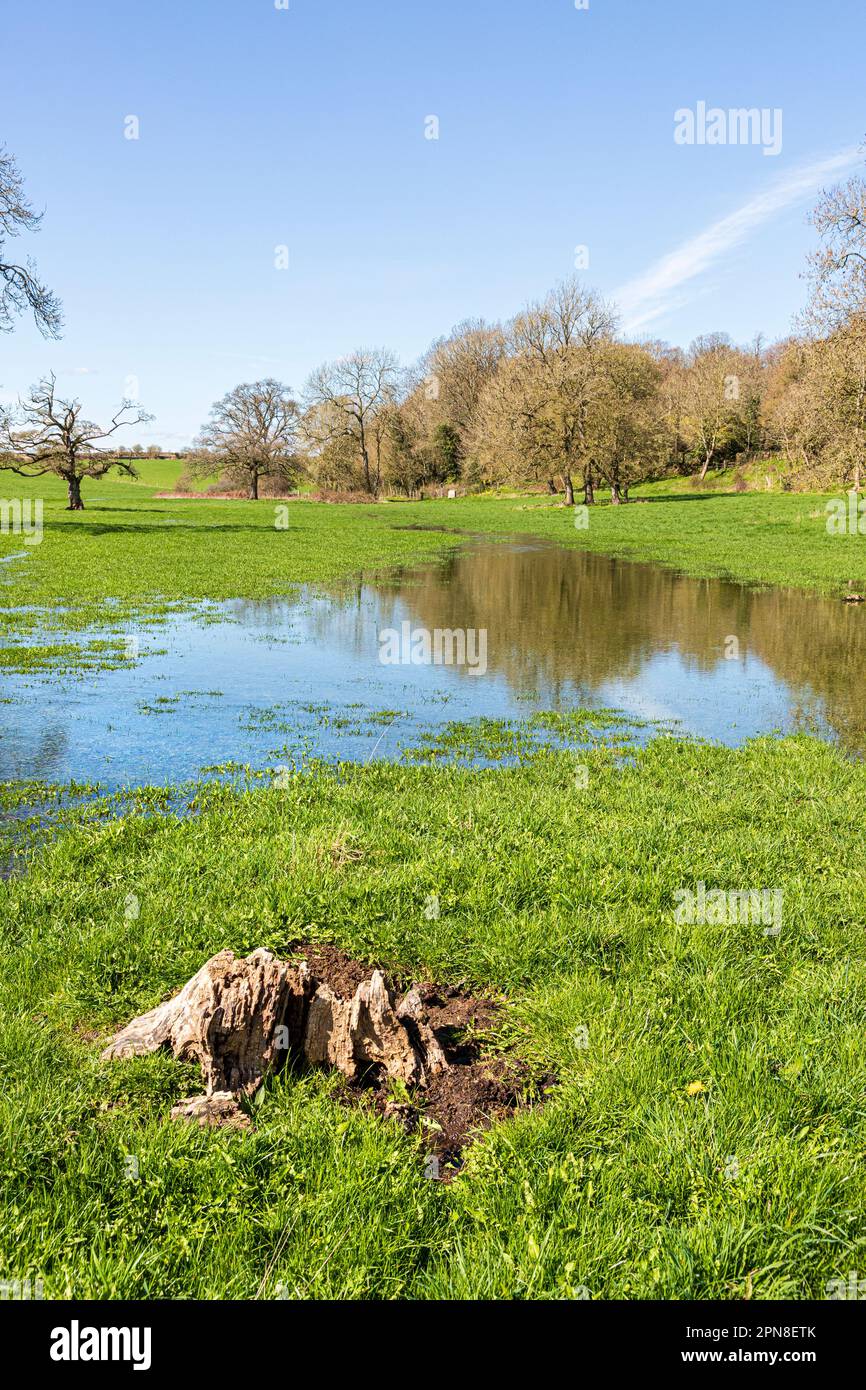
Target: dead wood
point(240, 1018)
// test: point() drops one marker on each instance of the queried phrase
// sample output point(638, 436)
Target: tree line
point(556, 397)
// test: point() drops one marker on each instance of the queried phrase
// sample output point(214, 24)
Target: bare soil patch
point(478, 1086)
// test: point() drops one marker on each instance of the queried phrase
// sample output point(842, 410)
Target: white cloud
point(658, 290)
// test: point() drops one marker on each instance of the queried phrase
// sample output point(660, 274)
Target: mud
point(480, 1085)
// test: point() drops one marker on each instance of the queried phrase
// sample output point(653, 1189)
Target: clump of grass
point(505, 740)
point(74, 658)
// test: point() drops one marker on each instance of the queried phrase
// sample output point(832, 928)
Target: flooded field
point(315, 673)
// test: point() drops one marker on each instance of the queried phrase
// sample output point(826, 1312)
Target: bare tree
point(628, 435)
point(517, 436)
point(251, 434)
point(20, 288)
point(835, 322)
point(330, 453)
point(342, 399)
point(48, 435)
point(560, 337)
point(455, 370)
point(838, 268)
point(711, 418)
point(821, 412)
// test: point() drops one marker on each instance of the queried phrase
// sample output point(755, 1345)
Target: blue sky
point(262, 127)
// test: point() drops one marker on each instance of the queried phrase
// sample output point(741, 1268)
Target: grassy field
point(632, 1181)
point(707, 1141)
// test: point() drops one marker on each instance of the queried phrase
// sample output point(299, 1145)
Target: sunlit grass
point(554, 896)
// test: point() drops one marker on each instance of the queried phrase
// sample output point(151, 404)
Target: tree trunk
point(551, 486)
point(569, 489)
point(241, 1018)
point(254, 488)
point(707, 462)
point(857, 476)
point(365, 459)
point(74, 502)
point(588, 488)
point(615, 495)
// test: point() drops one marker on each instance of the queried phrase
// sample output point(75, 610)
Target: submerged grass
point(508, 740)
point(633, 1181)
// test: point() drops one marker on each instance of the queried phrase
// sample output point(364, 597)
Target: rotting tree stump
point(241, 1018)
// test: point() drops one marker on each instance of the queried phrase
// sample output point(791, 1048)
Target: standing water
point(264, 683)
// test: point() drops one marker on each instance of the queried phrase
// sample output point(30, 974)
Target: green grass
point(555, 898)
point(160, 475)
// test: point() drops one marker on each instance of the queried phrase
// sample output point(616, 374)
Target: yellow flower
point(695, 1088)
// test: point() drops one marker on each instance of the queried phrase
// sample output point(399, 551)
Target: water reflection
point(273, 679)
point(559, 620)
point(44, 747)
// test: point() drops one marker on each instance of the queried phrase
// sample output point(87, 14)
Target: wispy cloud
point(659, 290)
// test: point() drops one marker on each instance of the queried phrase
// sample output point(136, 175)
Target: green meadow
point(705, 1135)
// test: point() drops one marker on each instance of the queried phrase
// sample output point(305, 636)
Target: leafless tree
point(628, 436)
point(838, 268)
point(454, 371)
point(48, 435)
point(20, 287)
point(711, 397)
point(342, 399)
point(559, 337)
point(251, 434)
point(835, 326)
